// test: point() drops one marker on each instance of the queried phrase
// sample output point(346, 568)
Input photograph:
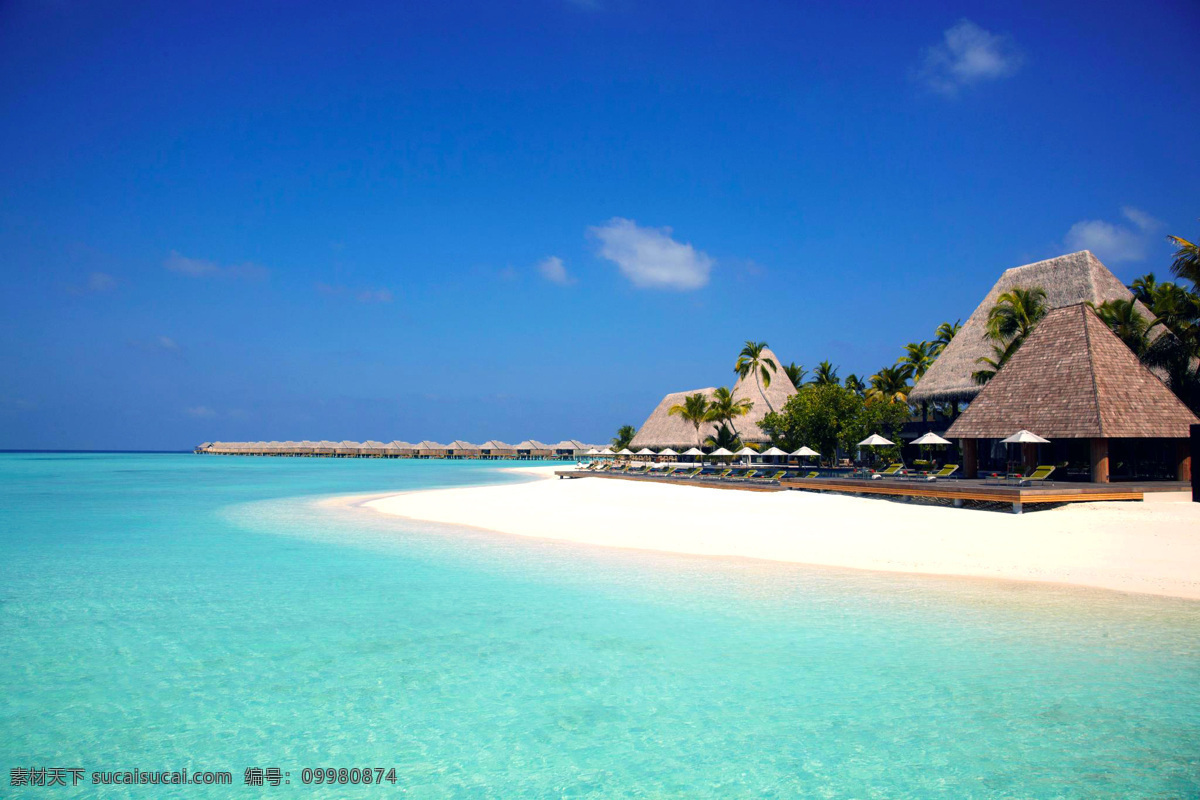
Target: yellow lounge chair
point(811, 475)
point(724, 474)
point(1038, 475)
point(944, 472)
point(894, 469)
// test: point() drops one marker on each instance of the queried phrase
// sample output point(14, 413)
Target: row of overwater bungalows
point(528, 449)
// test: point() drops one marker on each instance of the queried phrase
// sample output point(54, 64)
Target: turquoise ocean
point(163, 612)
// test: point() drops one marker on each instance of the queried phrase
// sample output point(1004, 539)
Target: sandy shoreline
point(1151, 548)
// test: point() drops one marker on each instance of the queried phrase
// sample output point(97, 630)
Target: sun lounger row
point(700, 473)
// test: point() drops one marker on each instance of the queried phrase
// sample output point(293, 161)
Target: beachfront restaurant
point(1074, 383)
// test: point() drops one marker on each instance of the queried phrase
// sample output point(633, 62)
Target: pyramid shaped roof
point(1069, 279)
point(1074, 379)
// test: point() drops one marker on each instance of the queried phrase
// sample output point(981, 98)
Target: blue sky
point(511, 220)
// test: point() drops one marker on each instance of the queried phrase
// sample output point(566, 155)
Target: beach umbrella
point(1023, 437)
point(645, 451)
point(773, 451)
point(606, 452)
point(667, 452)
point(720, 451)
point(806, 451)
point(931, 438)
point(695, 451)
point(875, 440)
point(593, 452)
point(625, 452)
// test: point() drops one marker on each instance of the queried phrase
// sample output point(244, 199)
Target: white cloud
point(552, 269)
point(199, 268)
point(167, 343)
point(650, 258)
point(1115, 243)
point(966, 56)
point(200, 412)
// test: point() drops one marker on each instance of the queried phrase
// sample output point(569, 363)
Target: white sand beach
point(1148, 547)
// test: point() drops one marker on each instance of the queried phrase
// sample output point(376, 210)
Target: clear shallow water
point(163, 612)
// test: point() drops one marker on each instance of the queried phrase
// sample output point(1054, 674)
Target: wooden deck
point(957, 491)
point(979, 490)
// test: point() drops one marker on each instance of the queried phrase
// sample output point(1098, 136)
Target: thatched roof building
point(463, 449)
point(532, 447)
point(497, 449)
point(1070, 279)
point(569, 448)
point(662, 429)
point(1074, 379)
point(433, 449)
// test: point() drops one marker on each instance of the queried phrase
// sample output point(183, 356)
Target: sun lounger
point(774, 476)
point(745, 475)
point(944, 472)
point(724, 473)
point(690, 473)
point(811, 475)
point(1037, 476)
point(892, 471)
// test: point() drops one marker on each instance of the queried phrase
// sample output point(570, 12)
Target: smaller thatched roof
point(459, 446)
point(428, 445)
point(1074, 379)
point(569, 444)
point(532, 444)
point(496, 444)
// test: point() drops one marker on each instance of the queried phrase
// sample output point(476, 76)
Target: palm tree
point(1016, 313)
point(919, 356)
point(796, 373)
point(724, 409)
point(624, 437)
point(945, 332)
point(752, 361)
point(694, 409)
point(724, 437)
point(1187, 259)
point(1123, 319)
point(890, 384)
point(825, 374)
point(855, 384)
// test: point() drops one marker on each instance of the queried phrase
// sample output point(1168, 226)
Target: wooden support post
point(970, 451)
point(1183, 461)
point(1099, 460)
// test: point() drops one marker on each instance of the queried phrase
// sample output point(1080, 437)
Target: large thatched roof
point(661, 429)
point(1073, 278)
point(1074, 379)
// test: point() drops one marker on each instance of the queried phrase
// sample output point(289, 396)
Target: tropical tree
point(1016, 313)
point(624, 437)
point(753, 360)
point(1123, 319)
point(919, 356)
point(855, 384)
point(723, 409)
point(945, 332)
point(825, 375)
point(816, 416)
point(890, 384)
point(724, 437)
point(795, 373)
point(1187, 259)
point(694, 409)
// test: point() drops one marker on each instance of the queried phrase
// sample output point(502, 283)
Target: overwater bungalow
point(531, 448)
point(398, 449)
point(1074, 382)
point(569, 448)
point(461, 449)
point(346, 449)
point(1068, 280)
point(306, 448)
point(662, 429)
point(494, 448)
point(428, 449)
point(371, 449)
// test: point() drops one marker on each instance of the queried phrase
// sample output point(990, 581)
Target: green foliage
point(724, 437)
point(945, 332)
point(825, 375)
point(795, 373)
point(723, 409)
point(918, 357)
point(1175, 352)
point(855, 384)
point(1123, 319)
point(752, 361)
point(890, 385)
point(1016, 313)
point(624, 437)
point(694, 409)
point(1187, 260)
point(826, 417)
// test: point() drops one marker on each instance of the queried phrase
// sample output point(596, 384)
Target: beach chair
point(1037, 476)
point(724, 473)
point(689, 473)
point(944, 472)
point(744, 475)
point(892, 471)
point(813, 474)
point(774, 476)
